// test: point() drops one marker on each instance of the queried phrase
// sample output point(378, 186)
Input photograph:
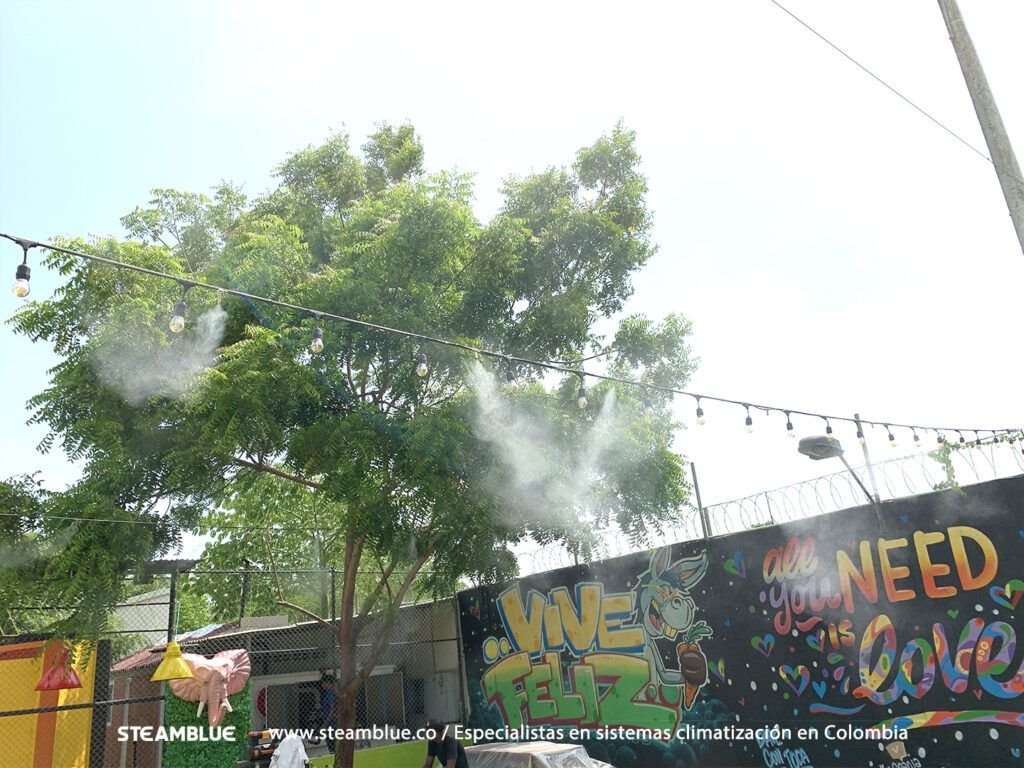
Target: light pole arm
point(871, 499)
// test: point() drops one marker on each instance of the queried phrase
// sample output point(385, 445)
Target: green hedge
point(206, 754)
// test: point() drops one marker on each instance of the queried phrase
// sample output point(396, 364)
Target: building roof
point(150, 655)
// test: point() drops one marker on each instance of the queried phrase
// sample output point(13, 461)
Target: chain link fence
point(293, 666)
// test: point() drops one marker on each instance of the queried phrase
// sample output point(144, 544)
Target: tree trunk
point(345, 749)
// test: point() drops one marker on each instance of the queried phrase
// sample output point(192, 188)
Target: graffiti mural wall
point(837, 641)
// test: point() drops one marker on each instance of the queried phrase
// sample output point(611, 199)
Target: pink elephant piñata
point(212, 681)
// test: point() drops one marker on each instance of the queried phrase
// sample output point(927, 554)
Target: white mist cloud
point(530, 483)
point(138, 369)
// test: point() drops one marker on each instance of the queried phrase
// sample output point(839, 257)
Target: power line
point(187, 284)
point(882, 82)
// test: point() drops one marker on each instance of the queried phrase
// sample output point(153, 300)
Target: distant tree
point(414, 475)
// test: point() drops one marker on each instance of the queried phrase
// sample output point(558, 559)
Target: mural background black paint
point(751, 690)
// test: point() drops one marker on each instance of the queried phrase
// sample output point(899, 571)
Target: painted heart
point(797, 678)
point(1021, 533)
point(977, 694)
point(764, 645)
point(1009, 596)
point(736, 566)
point(835, 658)
point(815, 640)
point(475, 610)
point(904, 519)
point(728, 622)
point(743, 701)
point(953, 613)
point(718, 668)
point(820, 688)
point(1015, 751)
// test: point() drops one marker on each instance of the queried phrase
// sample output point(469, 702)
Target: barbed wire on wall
point(895, 478)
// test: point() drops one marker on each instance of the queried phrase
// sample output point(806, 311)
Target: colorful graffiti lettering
point(619, 677)
point(992, 648)
point(839, 620)
point(865, 578)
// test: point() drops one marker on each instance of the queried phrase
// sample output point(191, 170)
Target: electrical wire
point(882, 82)
point(484, 352)
point(1007, 171)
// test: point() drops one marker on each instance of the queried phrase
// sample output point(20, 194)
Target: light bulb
point(510, 380)
point(421, 365)
point(860, 436)
point(790, 432)
point(581, 398)
point(177, 324)
point(892, 440)
point(828, 431)
point(316, 346)
point(21, 278)
point(700, 416)
point(648, 409)
point(750, 424)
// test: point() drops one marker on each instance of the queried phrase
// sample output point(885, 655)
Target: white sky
point(836, 251)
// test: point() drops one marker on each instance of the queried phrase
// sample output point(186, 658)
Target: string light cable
point(422, 367)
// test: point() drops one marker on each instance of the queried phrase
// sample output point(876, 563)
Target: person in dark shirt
point(447, 749)
point(328, 706)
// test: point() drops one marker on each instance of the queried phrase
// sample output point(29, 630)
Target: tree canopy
point(180, 430)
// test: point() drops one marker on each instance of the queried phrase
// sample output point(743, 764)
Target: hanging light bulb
point(22, 274)
point(917, 439)
point(749, 421)
point(510, 377)
point(860, 435)
point(790, 432)
point(21, 278)
point(939, 439)
point(648, 409)
point(828, 430)
point(177, 324)
point(892, 438)
point(316, 346)
point(700, 414)
point(581, 397)
point(962, 441)
point(421, 365)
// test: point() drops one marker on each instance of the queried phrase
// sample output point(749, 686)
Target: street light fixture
point(821, 447)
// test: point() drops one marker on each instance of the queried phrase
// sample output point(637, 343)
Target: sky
point(836, 251)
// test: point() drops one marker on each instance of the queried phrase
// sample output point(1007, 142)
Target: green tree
point(281, 533)
point(427, 479)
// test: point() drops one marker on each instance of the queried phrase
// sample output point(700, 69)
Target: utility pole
point(992, 127)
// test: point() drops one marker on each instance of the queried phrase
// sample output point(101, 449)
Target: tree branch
point(371, 601)
point(384, 635)
point(309, 614)
point(260, 467)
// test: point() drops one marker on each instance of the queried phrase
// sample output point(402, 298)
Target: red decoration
point(61, 676)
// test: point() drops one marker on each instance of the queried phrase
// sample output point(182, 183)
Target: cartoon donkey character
point(664, 602)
